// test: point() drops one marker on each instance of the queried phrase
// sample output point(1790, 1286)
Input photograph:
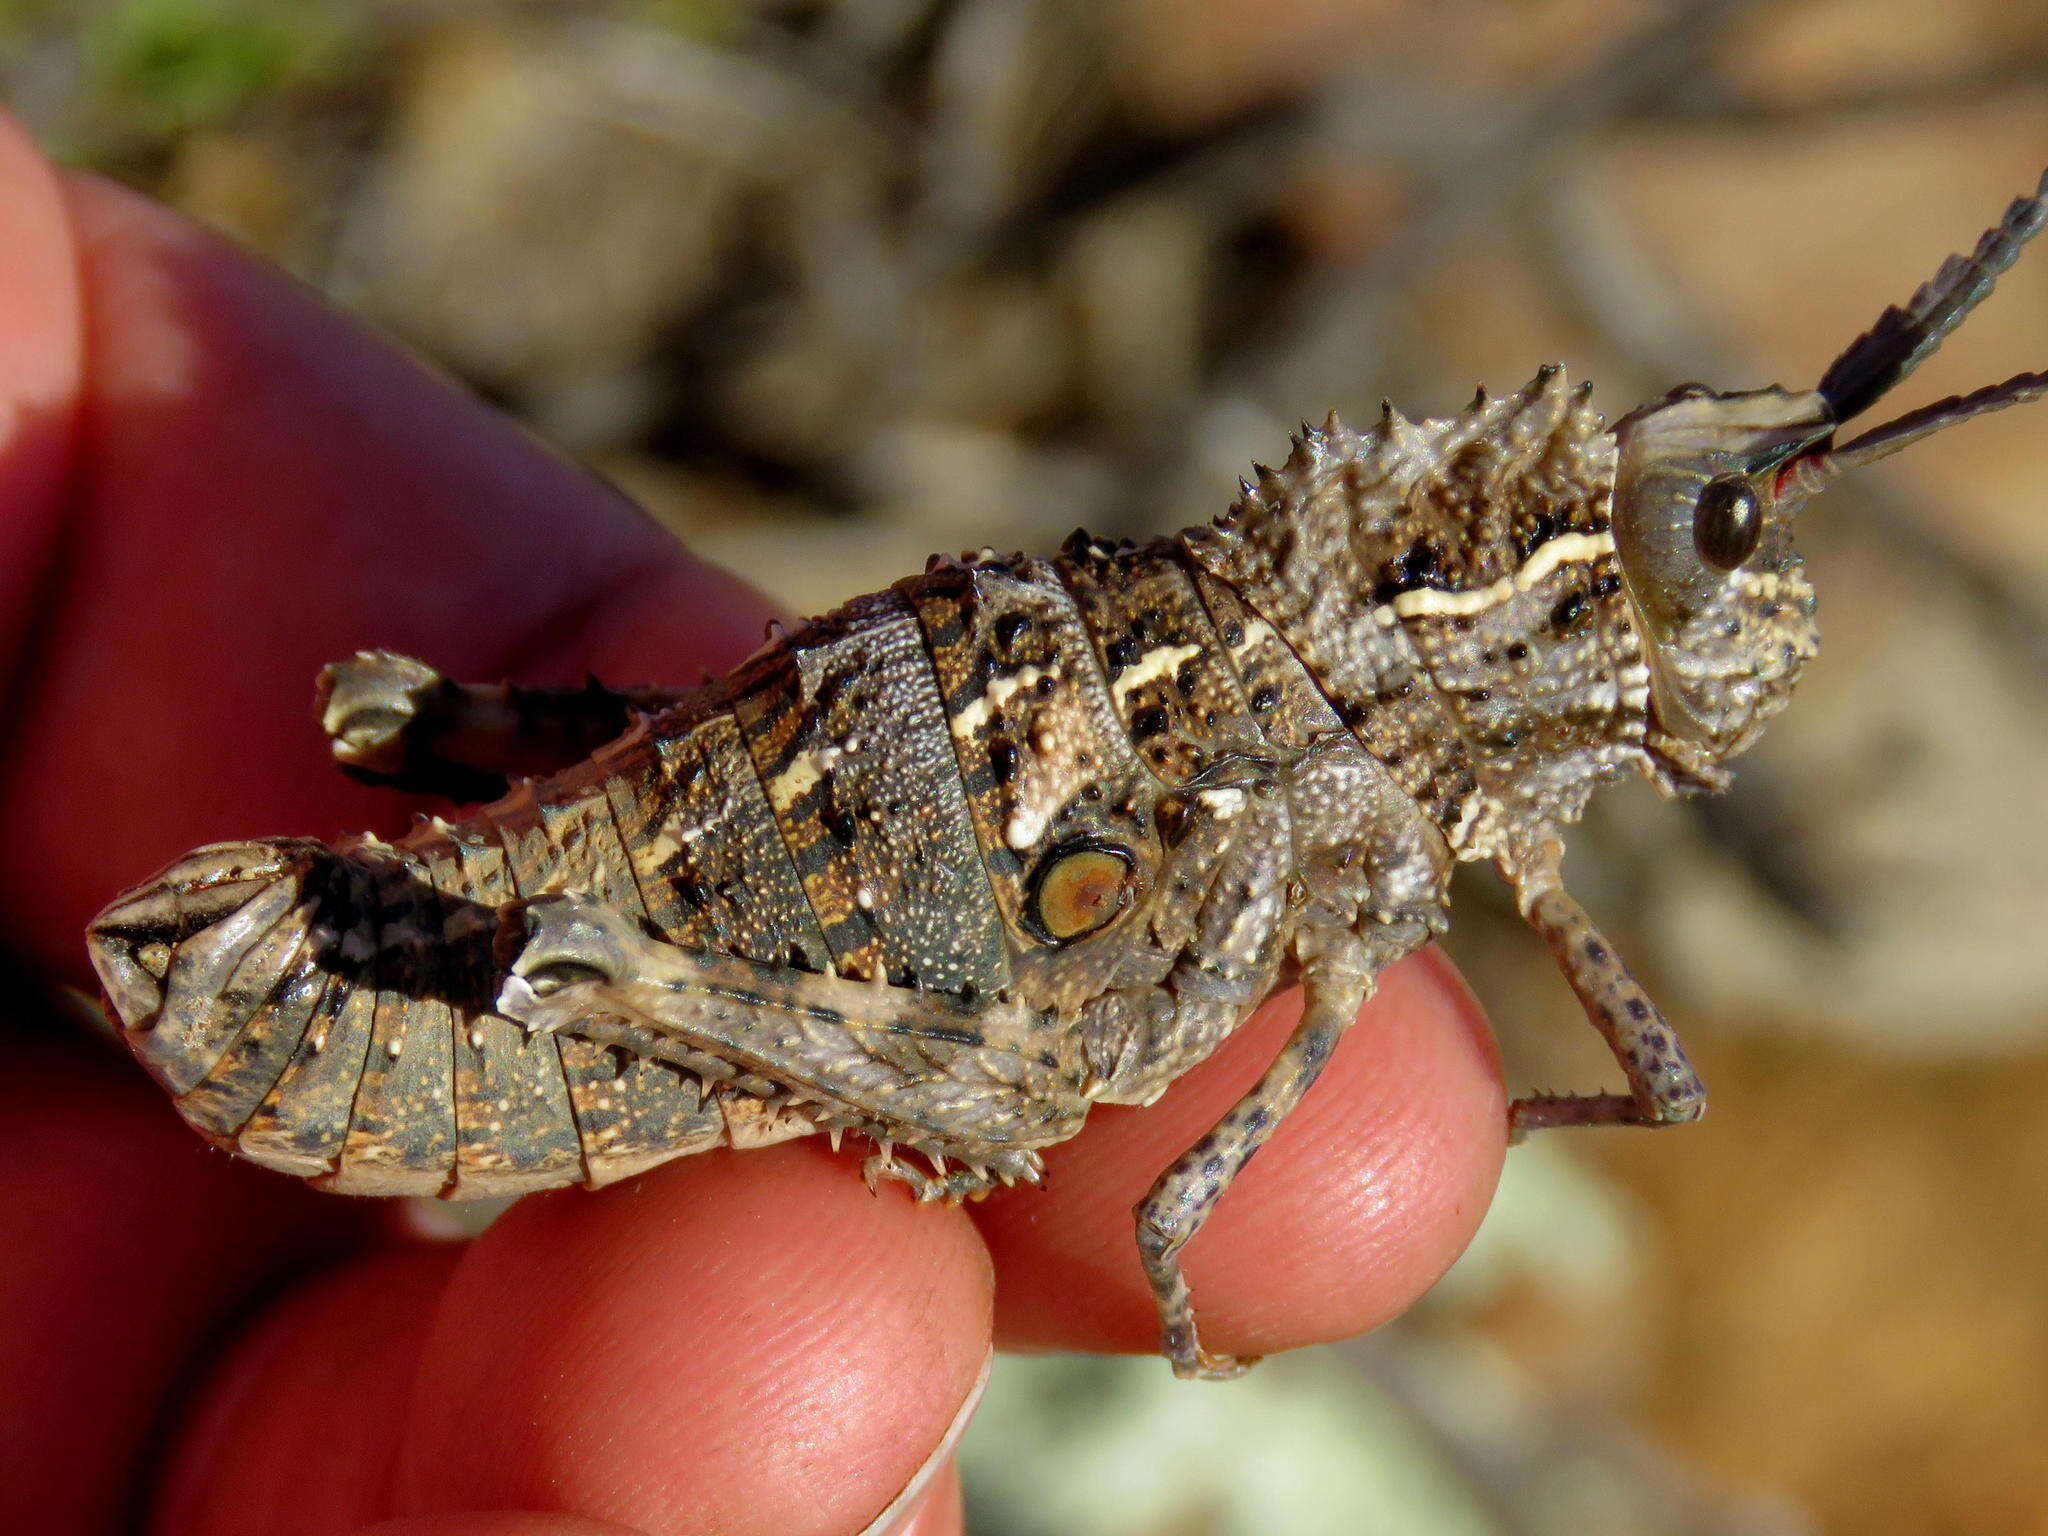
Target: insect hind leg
point(393, 720)
point(983, 1082)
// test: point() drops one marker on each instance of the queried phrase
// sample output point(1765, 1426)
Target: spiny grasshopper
point(1017, 836)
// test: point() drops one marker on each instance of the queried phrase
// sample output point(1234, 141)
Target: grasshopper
point(1016, 836)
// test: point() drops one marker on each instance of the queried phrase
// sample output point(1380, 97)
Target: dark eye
point(1078, 890)
point(1727, 521)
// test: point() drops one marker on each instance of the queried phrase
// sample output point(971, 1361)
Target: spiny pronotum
point(1017, 836)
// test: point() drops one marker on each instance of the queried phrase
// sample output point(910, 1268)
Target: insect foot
point(1017, 836)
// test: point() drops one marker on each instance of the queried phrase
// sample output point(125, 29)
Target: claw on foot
point(1211, 1367)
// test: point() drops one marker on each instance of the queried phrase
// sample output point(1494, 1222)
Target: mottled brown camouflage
point(952, 863)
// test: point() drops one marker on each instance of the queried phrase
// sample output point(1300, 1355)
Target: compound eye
point(1727, 521)
point(1694, 391)
point(1079, 890)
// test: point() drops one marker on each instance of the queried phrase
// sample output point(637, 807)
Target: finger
point(940, 1511)
point(757, 1346)
point(736, 1343)
point(1357, 1203)
point(229, 301)
point(128, 1241)
point(269, 488)
point(296, 1427)
point(169, 284)
point(506, 1523)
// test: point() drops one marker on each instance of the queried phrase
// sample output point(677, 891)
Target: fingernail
point(905, 1503)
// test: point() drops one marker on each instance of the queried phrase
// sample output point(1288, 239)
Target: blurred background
point(829, 286)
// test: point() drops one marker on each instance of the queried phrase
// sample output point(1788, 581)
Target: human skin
point(211, 484)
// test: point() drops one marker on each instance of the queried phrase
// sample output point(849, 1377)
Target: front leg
point(396, 721)
point(1174, 1210)
point(1663, 1088)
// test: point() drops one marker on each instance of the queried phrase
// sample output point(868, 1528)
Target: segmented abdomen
point(328, 1014)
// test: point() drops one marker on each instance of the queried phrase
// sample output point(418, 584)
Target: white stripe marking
point(1162, 661)
point(983, 709)
point(1428, 602)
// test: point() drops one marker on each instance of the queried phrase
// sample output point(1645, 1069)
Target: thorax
point(1452, 589)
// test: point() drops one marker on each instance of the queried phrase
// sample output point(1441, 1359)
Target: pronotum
point(1018, 836)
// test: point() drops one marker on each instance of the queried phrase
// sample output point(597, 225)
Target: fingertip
point(1355, 1206)
point(735, 1342)
point(940, 1510)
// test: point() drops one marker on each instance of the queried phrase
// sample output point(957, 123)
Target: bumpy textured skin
point(802, 899)
point(1016, 836)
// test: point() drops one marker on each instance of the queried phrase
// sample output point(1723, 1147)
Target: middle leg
point(1663, 1087)
point(1336, 985)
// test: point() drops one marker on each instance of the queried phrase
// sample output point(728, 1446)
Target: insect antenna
point(1880, 442)
point(1903, 338)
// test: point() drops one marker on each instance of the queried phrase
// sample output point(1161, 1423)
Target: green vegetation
point(171, 65)
point(704, 21)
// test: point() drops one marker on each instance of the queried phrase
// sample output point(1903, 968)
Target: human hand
point(210, 485)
